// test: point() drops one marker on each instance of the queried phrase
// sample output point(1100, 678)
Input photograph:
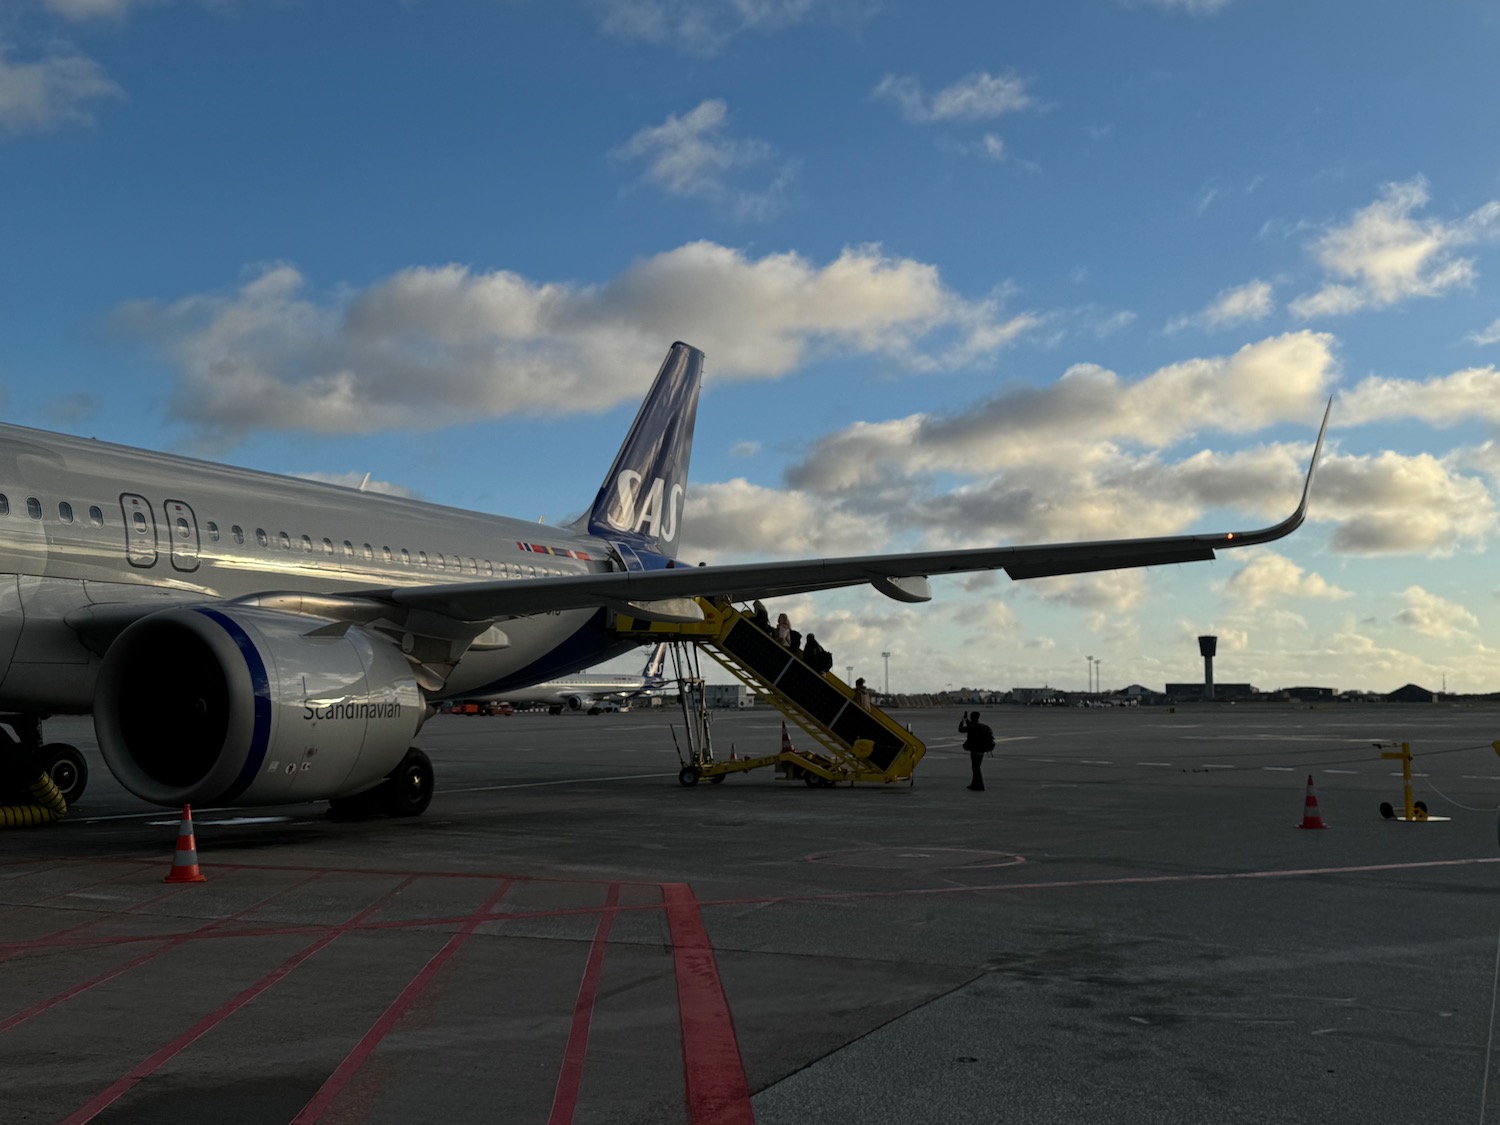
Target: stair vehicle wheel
point(407, 790)
point(688, 776)
point(717, 779)
point(811, 780)
point(67, 769)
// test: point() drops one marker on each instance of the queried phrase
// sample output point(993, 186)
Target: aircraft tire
point(408, 789)
point(67, 769)
point(555, 709)
point(688, 776)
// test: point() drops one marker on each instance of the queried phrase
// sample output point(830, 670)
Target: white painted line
point(565, 781)
point(1480, 777)
point(1094, 762)
point(1214, 766)
point(1167, 764)
point(1340, 771)
point(1278, 769)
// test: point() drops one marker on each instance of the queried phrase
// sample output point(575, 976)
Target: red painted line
point(167, 945)
point(147, 1067)
point(570, 1078)
point(752, 900)
point(323, 1099)
point(94, 921)
point(717, 1092)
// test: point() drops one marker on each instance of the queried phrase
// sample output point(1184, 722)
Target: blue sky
point(964, 275)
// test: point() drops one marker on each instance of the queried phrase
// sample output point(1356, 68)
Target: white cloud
point(1269, 577)
point(1486, 336)
point(1192, 7)
point(975, 97)
point(53, 91)
point(1278, 379)
point(80, 11)
point(433, 345)
point(1448, 400)
point(736, 519)
point(1385, 255)
point(1433, 616)
point(694, 156)
point(356, 480)
point(1393, 503)
point(704, 27)
point(1243, 304)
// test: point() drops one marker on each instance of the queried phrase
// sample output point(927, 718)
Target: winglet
point(1293, 521)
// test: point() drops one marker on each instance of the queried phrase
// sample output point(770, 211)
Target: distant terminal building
point(1311, 694)
point(1190, 693)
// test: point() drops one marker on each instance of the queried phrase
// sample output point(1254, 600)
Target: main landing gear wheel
point(408, 788)
point(688, 776)
point(67, 769)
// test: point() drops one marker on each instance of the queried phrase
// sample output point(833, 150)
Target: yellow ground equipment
point(1415, 811)
point(854, 743)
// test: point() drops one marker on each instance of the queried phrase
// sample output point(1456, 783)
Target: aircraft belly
point(542, 647)
point(47, 667)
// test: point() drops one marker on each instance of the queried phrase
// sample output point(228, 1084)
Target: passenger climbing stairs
point(855, 743)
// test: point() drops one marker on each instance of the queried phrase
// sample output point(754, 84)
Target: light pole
point(849, 671)
point(1099, 677)
point(887, 672)
point(1090, 689)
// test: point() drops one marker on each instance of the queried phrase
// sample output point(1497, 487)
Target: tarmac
point(1126, 926)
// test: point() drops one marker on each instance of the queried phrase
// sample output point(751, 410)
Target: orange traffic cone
point(733, 757)
point(786, 739)
point(1310, 815)
point(185, 862)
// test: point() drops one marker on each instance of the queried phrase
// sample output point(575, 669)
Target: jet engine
point(245, 706)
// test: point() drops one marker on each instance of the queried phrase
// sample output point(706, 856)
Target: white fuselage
point(87, 524)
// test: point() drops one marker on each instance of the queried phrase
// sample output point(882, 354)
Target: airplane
point(243, 638)
point(587, 692)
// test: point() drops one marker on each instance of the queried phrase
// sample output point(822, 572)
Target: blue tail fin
point(640, 502)
point(655, 663)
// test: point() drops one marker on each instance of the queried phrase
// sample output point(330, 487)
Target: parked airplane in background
point(588, 691)
point(243, 638)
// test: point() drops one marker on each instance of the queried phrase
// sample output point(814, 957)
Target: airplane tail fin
point(639, 505)
point(655, 663)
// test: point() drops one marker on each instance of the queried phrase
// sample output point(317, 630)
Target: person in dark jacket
point(979, 740)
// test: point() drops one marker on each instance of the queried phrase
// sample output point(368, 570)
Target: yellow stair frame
point(857, 744)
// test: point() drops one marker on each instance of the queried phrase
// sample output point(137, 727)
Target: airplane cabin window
point(33, 507)
point(405, 557)
point(65, 511)
point(183, 530)
point(421, 558)
point(286, 541)
point(96, 514)
point(386, 553)
point(261, 537)
point(489, 569)
point(307, 543)
point(437, 560)
point(4, 505)
point(238, 532)
point(213, 530)
point(328, 546)
point(369, 551)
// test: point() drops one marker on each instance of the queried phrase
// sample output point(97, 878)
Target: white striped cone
point(786, 739)
point(185, 861)
point(1311, 818)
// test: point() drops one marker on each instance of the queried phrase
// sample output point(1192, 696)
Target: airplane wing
point(667, 594)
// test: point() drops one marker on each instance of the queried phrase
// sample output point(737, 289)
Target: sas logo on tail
point(661, 508)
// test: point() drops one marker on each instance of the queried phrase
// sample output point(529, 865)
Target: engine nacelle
point(578, 702)
point(248, 706)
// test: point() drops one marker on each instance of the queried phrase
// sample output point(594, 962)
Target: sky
point(965, 273)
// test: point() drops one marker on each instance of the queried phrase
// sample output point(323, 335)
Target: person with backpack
point(979, 740)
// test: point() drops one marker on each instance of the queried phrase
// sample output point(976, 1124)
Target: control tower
point(1207, 646)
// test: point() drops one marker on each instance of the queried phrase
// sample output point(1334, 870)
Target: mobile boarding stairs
point(855, 743)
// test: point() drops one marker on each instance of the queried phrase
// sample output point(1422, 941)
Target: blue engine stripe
point(260, 737)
